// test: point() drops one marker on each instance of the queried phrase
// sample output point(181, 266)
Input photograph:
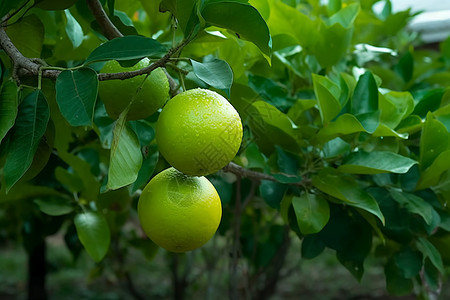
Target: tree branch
point(109, 29)
point(243, 172)
point(238, 170)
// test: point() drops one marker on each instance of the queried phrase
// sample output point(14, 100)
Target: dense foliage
point(346, 131)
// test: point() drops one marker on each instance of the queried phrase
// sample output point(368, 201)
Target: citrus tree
point(345, 145)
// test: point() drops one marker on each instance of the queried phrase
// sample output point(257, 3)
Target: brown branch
point(243, 172)
point(109, 29)
point(22, 64)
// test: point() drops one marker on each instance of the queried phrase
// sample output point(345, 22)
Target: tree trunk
point(37, 270)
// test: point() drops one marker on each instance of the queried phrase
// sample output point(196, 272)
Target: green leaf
point(151, 156)
point(127, 48)
point(327, 94)
point(126, 157)
point(184, 11)
point(312, 212)
point(405, 67)
point(27, 35)
point(428, 102)
point(8, 107)
point(73, 30)
point(272, 127)
point(408, 262)
point(365, 96)
point(414, 204)
point(395, 106)
point(217, 73)
point(312, 246)
point(243, 19)
point(334, 6)
point(433, 173)
point(30, 126)
point(94, 234)
point(343, 125)
point(335, 35)
point(345, 16)
point(435, 139)
point(70, 180)
point(431, 252)
point(396, 283)
point(7, 6)
point(272, 192)
point(375, 162)
point(335, 147)
point(346, 189)
point(90, 183)
point(55, 206)
point(76, 93)
point(25, 191)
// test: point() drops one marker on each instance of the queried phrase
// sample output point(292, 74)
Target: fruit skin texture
point(117, 94)
point(198, 132)
point(178, 212)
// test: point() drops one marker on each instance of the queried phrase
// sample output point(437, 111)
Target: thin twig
point(109, 29)
point(243, 172)
point(238, 170)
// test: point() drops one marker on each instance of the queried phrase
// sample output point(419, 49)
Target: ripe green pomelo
point(198, 132)
point(117, 94)
point(178, 212)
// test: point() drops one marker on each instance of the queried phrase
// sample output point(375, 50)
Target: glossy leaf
point(376, 162)
point(73, 30)
point(30, 126)
point(217, 73)
point(243, 19)
point(346, 189)
point(93, 232)
point(312, 212)
point(343, 125)
point(126, 156)
point(431, 252)
point(272, 192)
point(272, 127)
point(8, 107)
point(76, 94)
point(435, 139)
point(151, 156)
point(127, 48)
point(430, 101)
point(395, 106)
point(327, 94)
point(55, 206)
point(432, 174)
point(365, 96)
point(414, 204)
point(335, 147)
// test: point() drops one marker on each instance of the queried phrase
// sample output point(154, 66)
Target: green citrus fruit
point(178, 212)
point(54, 4)
point(198, 132)
point(117, 94)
